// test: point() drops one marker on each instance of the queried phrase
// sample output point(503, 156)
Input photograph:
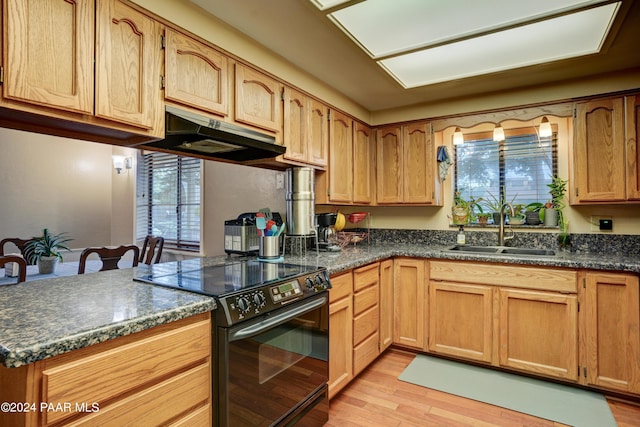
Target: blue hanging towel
point(444, 162)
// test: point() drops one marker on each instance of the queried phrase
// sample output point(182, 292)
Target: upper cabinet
point(605, 151)
point(128, 64)
point(258, 100)
point(306, 129)
point(406, 164)
point(51, 72)
point(53, 66)
point(196, 75)
point(349, 178)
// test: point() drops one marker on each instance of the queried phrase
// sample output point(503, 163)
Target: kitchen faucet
point(501, 236)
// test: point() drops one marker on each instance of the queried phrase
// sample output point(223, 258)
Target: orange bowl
point(357, 216)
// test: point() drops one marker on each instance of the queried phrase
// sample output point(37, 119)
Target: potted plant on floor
point(46, 250)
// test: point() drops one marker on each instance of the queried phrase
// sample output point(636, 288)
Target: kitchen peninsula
point(56, 330)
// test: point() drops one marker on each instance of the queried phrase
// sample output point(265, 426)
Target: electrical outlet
point(602, 223)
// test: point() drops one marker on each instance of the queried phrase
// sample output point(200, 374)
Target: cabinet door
point(386, 304)
point(409, 295)
point(460, 320)
point(340, 158)
point(362, 164)
point(318, 133)
point(128, 63)
point(632, 132)
point(539, 332)
point(340, 333)
point(389, 165)
point(295, 125)
point(52, 66)
point(599, 165)
point(258, 99)
point(418, 164)
point(195, 74)
point(611, 331)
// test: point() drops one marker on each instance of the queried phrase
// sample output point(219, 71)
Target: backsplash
point(622, 245)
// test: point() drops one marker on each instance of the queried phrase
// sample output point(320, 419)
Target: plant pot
point(517, 220)
point(460, 215)
point(482, 220)
point(550, 217)
point(496, 218)
point(532, 218)
point(47, 264)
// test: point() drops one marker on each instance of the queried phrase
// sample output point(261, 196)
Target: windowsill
point(518, 227)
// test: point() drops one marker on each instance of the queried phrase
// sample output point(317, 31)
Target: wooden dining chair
point(19, 243)
point(151, 250)
point(109, 256)
point(22, 265)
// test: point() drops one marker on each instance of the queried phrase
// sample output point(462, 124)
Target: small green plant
point(534, 207)
point(48, 245)
point(494, 203)
point(558, 190)
point(461, 205)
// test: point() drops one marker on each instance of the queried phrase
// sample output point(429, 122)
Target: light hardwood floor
point(376, 398)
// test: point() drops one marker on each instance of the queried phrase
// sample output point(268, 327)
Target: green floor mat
point(542, 399)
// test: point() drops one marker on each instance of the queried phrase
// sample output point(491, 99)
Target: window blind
point(517, 169)
point(168, 198)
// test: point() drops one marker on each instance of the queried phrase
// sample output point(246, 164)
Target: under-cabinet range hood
point(193, 134)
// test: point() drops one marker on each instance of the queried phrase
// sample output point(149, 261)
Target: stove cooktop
point(221, 280)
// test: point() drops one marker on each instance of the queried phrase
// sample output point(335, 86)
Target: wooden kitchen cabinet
point(406, 165)
point(538, 332)
point(366, 316)
point(340, 174)
point(386, 304)
point(258, 99)
point(363, 164)
point(610, 336)
point(599, 152)
point(410, 302)
point(632, 146)
point(161, 374)
point(196, 75)
point(515, 317)
point(340, 332)
point(53, 66)
point(461, 320)
point(91, 71)
point(306, 129)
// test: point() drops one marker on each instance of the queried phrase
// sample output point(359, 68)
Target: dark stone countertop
point(44, 318)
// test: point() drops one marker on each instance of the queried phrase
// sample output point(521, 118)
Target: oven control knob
point(259, 299)
point(320, 281)
point(308, 282)
point(243, 304)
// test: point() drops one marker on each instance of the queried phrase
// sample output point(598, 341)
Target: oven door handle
point(276, 320)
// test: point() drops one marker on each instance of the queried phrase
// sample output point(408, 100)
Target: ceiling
point(302, 34)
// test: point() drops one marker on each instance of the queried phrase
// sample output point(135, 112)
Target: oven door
point(273, 370)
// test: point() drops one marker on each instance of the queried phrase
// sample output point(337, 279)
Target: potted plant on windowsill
point(494, 204)
point(46, 250)
point(557, 190)
point(463, 211)
point(532, 213)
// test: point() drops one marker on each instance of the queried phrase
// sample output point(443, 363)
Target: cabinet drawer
point(364, 299)
point(341, 286)
point(365, 353)
point(160, 403)
point(365, 324)
point(105, 371)
point(547, 279)
point(365, 276)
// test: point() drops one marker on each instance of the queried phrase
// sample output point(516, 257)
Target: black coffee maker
point(324, 224)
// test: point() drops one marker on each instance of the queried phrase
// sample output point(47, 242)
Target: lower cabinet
point(521, 318)
point(366, 316)
point(610, 331)
point(461, 320)
point(386, 304)
point(409, 302)
point(161, 375)
point(340, 332)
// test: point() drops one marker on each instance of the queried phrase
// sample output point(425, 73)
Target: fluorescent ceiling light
point(567, 36)
point(421, 42)
point(384, 27)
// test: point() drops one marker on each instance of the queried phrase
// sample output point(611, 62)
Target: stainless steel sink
point(500, 250)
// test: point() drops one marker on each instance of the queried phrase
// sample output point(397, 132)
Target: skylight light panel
point(327, 4)
point(384, 27)
point(567, 36)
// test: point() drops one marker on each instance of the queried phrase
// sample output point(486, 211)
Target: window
point(168, 199)
point(517, 169)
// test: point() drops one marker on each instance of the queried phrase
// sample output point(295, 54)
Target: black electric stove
point(244, 289)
